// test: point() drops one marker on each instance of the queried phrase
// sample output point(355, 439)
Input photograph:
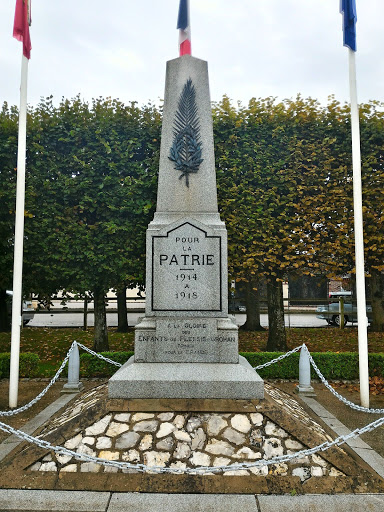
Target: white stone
point(215, 424)
point(165, 429)
point(299, 460)
point(89, 440)
point(108, 455)
point(279, 469)
point(180, 435)
point(131, 456)
point(221, 461)
point(303, 473)
point(319, 460)
point(193, 423)
point(178, 465)
point(256, 418)
point(272, 448)
point(233, 436)
point(156, 458)
point(241, 423)
point(246, 453)
point(219, 447)
point(199, 439)
point(139, 416)
point(90, 467)
point(127, 440)
point(110, 469)
point(259, 470)
point(165, 444)
point(200, 459)
point(124, 417)
point(48, 466)
point(165, 416)
point(179, 421)
point(86, 450)
point(146, 426)
point(115, 429)
point(99, 427)
point(317, 471)
point(273, 430)
point(103, 443)
point(236, 472)
point(71, 468)
point(182, 451)
point(146, 442)
point(290, 444)
point(35, 467)
point(74, 442)
point(335, 472)
point(47, 458)
point(63, 459)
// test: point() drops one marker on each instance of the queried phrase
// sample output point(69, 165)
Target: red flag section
point(21, 26)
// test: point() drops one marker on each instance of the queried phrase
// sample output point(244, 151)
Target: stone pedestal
point(186, 346)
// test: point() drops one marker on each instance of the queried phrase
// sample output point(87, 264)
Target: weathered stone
point(317, 471)
point(221, 461)
point(273, 430)
point(182, 451)
point(131, 456)
point(233, 436)
point(291, 444)
point(236, 472)
point(246, 453)
point(165, 416)
point(318, 460)
point(179, 421)
point(123, 417)
point(115, 429)
point(217, 447)
point(146, 426)
point(74, 442)
point(165, 444)
point(35, 467)
point(90, 467)
point(103, 443)
point(193, 423)
point(165, 429)
point(241, 423)
point(156, 458)
point(303, 473)
point(63, 459)
point(139, 416)
point(215, 424)
point(99, 427)
point(259, 470)
point(86, 450)
point(256, 418)
point(180, 435)
point(127, 440)
point(335, 472)
point(178, 465)
point(110, 469)
point(279, 469)
point(48, 466)
point(198, 439)
point(256, 438)
point(108, 455)
point(47, 458)
point(71, 468)
point(89, 440)
point(146, 442)
point(200, 459)
point(272, 448)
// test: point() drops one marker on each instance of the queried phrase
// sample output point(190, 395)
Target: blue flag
point(348, 10)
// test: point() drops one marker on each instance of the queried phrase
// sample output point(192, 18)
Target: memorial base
point(185, 380)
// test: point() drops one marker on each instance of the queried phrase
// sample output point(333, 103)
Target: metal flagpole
point(359, 236)
point(19, 234)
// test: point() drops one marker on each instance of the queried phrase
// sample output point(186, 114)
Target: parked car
point(28, 309)
point(331, 313)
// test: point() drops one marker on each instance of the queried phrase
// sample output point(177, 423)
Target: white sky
point(254, 48)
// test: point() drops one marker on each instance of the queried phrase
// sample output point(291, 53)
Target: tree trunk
point(252, 302)
point(85, 314)
point(377, 301)
point(100, 341)
point(277, 340)
point(122, 313)
point(5, 324)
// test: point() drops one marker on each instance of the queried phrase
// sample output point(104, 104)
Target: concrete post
point(73, 385)
point(304, 388)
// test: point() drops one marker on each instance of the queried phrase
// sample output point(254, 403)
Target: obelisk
point(186, 346)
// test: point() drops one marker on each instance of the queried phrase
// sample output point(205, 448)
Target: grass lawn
point(52, 344)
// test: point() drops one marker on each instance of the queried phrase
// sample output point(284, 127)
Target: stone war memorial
point(186, 346)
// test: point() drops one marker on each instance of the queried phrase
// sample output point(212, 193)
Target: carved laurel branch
point(186, 148)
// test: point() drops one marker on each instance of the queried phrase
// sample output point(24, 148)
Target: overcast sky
point(254, 48)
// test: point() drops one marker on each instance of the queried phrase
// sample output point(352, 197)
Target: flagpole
point(19, 239)
point(359, 236)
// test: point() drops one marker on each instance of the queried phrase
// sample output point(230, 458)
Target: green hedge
point(334, 366)
point(28, 366)
point(92, 366)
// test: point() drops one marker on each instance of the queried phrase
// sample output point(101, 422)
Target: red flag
point(184, 28)
point(21, 26)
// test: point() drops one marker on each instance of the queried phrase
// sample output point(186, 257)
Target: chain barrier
point(277, 359)
point(98, 355)
point(42, 393)
point(61, 450)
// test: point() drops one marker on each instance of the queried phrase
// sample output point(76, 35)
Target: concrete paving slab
point(146, 502)
point(52, 501)
point(320, 503)
point(316, 407)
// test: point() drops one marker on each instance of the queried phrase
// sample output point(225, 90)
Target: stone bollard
point(73, 385)
point(304, 388)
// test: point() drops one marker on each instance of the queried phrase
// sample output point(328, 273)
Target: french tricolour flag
point(184, 28)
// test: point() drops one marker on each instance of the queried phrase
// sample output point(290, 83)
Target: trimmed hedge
point(334, 366)
point(28, 365)
point(92, 366)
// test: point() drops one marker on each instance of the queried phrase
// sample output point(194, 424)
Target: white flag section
point(19, 240)
point(359, 236)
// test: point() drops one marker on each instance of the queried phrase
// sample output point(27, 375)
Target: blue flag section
point(348, 10)
point(182, 20)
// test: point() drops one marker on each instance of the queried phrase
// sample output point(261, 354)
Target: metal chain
point(61, 450)
point(42, 393)
point(334, 392)
point(277, 359)
point(98, 355)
